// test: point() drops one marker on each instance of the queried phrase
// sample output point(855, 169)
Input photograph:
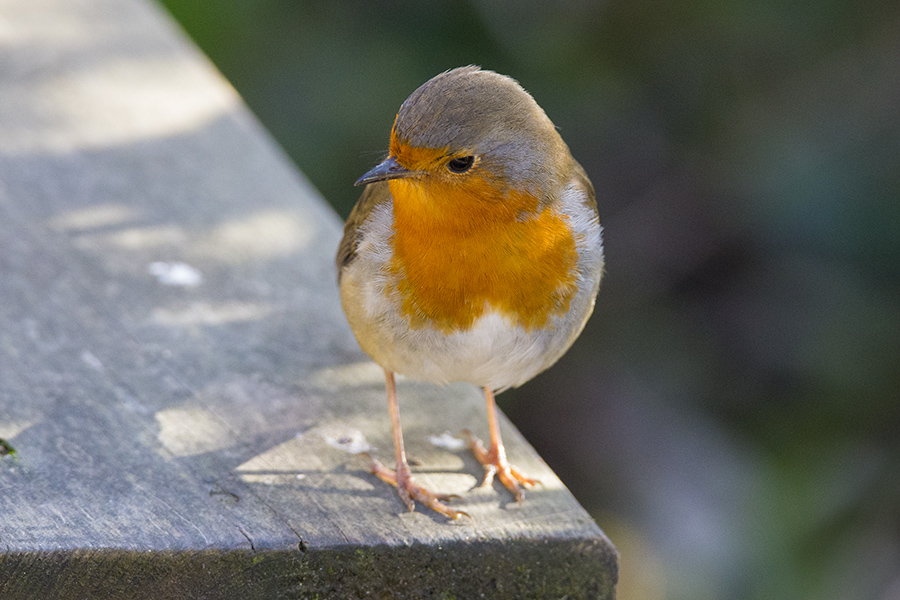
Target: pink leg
point(494, 460)
point(401, 477)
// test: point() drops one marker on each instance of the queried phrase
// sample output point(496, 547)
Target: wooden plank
point(176, 376)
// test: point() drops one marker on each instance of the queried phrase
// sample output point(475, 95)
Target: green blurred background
point(731, 415)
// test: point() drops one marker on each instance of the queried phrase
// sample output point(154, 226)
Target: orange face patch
point(417, 159)
point(412, 157)
point(462, 246)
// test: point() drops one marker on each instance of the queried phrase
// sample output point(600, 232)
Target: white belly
point(494, 352)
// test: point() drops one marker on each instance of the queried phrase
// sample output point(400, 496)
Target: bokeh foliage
point(731, 415)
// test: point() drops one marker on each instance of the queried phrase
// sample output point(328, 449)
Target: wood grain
point(185, 431)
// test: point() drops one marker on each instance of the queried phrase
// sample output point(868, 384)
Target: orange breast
point(460, 249)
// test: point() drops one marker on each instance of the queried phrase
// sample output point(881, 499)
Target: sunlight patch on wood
point(191, 431)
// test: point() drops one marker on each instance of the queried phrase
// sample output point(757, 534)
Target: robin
point(474, 254)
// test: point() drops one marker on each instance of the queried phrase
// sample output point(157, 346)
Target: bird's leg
point(494, 460)
point(401, 477)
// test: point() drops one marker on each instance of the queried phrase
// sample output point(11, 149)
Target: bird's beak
point(389, 169)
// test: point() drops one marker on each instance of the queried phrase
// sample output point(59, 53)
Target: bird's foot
point(410, 491)
point(495, 464)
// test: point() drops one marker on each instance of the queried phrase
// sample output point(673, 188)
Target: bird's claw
point(410, 491)
point(495, 464)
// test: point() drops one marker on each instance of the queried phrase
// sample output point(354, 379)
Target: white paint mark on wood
point(447, 440)
point(176, 274)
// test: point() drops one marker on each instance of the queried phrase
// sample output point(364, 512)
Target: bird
point(474, 254)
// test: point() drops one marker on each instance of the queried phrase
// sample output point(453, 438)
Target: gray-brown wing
point(372, 196)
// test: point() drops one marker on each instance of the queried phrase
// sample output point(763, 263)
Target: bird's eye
point(461, 164)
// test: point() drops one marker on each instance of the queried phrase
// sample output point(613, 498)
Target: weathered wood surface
point(182, 436)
